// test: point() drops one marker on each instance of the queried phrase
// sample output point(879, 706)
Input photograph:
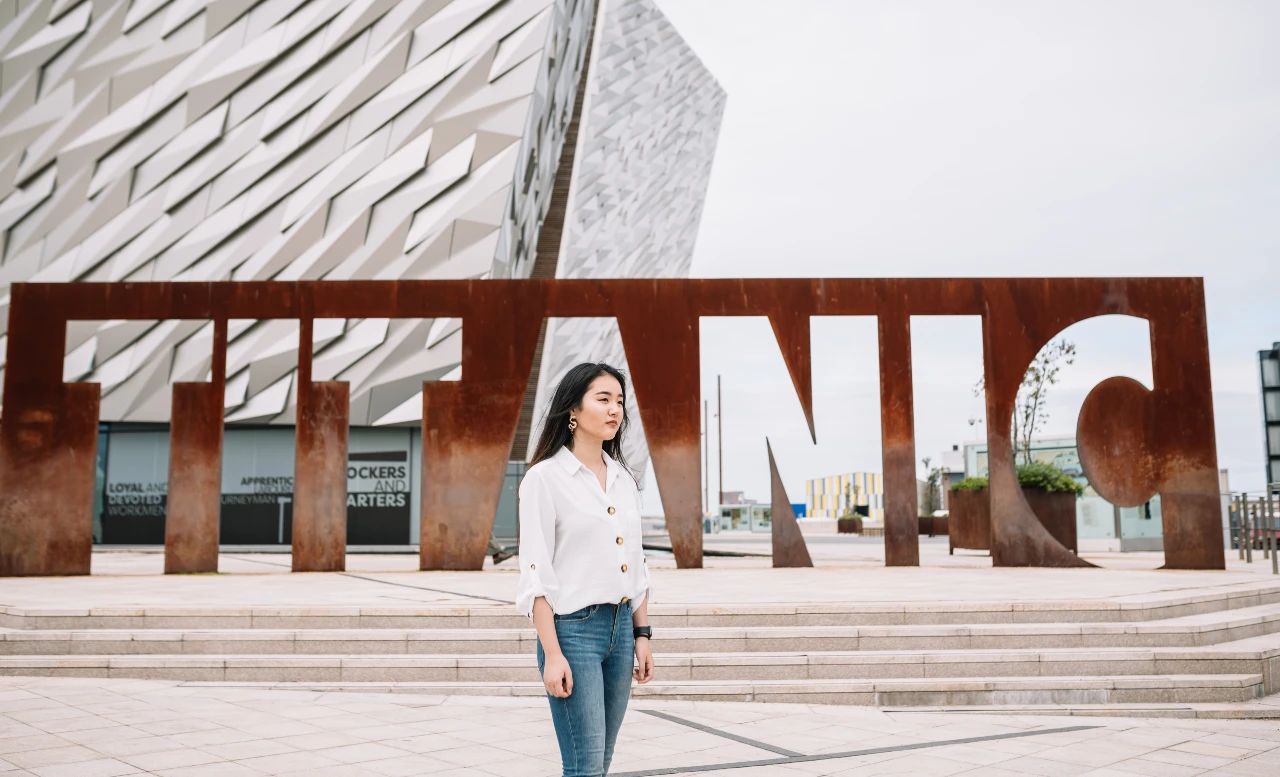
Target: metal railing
point(1255, 524)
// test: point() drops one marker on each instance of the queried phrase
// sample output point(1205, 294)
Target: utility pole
point(706, 460)
point(720, 440)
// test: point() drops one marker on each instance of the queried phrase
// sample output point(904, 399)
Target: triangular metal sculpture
point(789, 549)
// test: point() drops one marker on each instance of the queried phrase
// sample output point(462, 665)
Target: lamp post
point(706, 460)
point(720, 441)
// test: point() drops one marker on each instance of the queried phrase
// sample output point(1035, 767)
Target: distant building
point(738, 513)
point(1061, 452)
point(952, 465)
point(838, 495)
point(1100, 525)
point(1269, 373)
point(745, 516)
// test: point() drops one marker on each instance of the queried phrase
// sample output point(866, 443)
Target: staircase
point(1218, 647)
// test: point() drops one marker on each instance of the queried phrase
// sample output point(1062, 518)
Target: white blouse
point(579, 545)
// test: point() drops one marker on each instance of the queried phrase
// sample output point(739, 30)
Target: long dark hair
point(573, 387)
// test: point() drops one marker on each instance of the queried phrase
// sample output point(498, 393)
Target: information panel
point(257, 486)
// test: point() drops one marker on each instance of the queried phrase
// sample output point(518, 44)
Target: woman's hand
point(643, 672)
point(557, 676)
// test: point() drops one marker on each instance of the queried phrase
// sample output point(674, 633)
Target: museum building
point(331, 140)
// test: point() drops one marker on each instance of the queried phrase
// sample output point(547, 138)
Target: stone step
point(1266, 708)
point(1254, 656)
point(978, 691)
point(1121, 609)
point(1186, 631)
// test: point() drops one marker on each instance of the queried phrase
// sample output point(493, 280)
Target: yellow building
point(835, 496)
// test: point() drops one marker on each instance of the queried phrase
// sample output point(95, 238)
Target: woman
point(583, 575)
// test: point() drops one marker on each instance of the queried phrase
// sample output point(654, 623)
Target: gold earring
point(573, 424)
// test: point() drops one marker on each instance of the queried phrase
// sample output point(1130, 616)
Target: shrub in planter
point(1038, 474)
point(1052, 495)
point(1046, 477)
point(969, 484)
point(1049, 491)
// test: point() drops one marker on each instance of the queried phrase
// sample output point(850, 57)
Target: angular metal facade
point(322, 140)
point(650, 124)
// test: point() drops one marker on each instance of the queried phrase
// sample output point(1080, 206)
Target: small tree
point(932, 496)
point(1030, 413)
point(850, 516)
point(850, 500)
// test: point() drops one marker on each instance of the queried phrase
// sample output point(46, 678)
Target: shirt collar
point(572, 465)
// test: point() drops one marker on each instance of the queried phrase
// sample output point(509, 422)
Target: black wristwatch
point(642, 631)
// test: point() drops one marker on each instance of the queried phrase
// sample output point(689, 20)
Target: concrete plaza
point(847, 570)
point(103, 728)
point(845, 668)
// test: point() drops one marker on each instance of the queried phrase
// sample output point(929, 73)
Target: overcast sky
point(974, 138)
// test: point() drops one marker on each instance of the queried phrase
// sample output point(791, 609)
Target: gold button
point(619, 540)
point(624, 567)
point(625, 599)
point(611, 510)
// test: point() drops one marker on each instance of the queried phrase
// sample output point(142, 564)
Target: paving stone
point(103, 767)
point(50, 756)
point(170, 759)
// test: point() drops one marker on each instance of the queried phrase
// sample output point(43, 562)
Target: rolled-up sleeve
point(537, 545)
point(646, 593)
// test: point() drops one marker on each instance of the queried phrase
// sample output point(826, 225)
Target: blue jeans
point(598, 643)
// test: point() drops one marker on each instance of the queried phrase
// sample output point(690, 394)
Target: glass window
point(137, 481)
point(1273, 439)
point(1095, 518)
point(1142, 521)
point(257, 487)
point(1271, 401)
point(378, 491)
point(1270, 370)
point(100, 483)
point(761, 518)
point(506, 522)
point(735, 518)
